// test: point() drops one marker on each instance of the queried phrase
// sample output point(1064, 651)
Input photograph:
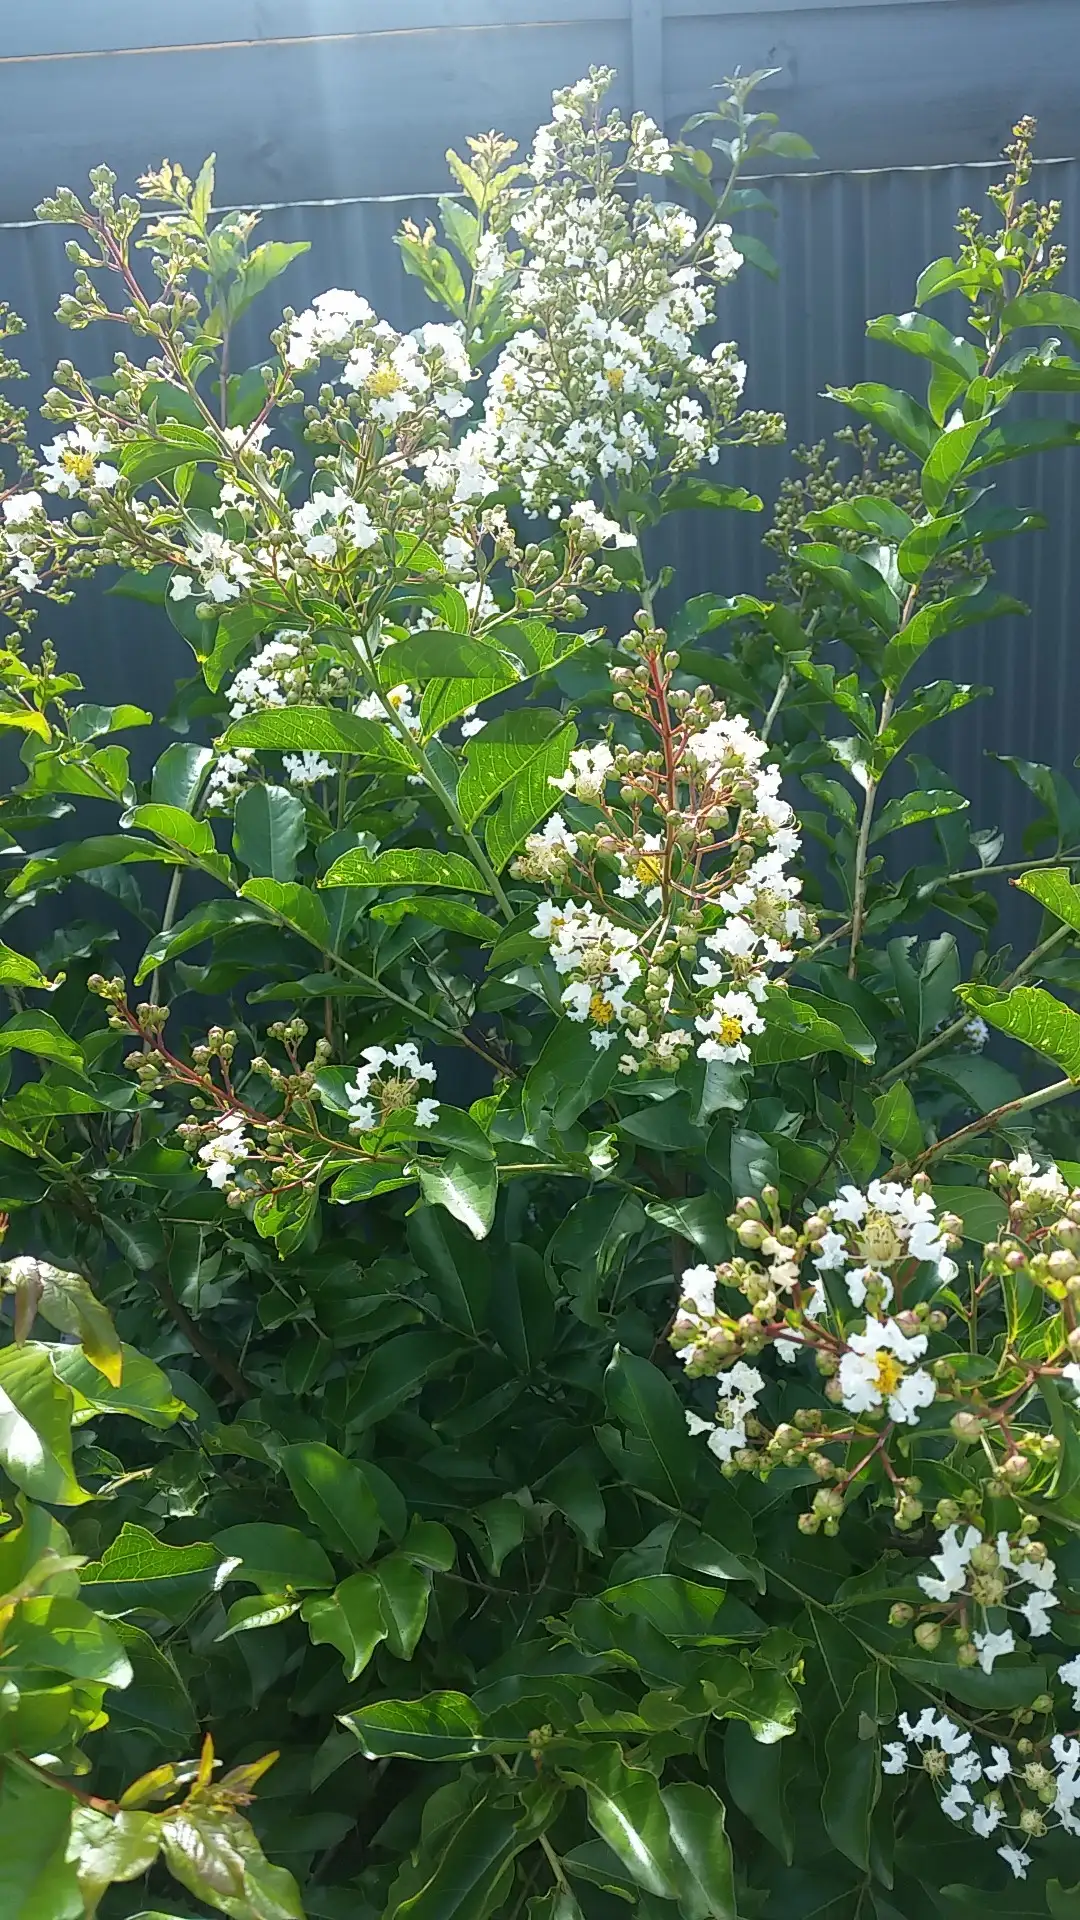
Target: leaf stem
point(986, 1121)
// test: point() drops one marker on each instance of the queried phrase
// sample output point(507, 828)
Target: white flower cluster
point(222, 566)
point(980, 1569)
point(602, 960)
point(397, 376)
point(602, 378)
point(948, 1755)
point(737, 1396)
point(21, 540)
point(73, 463)
point(388, 1083)
point(721, 771)
point(868, 1233)
point(1046, 1189)
point(226, 1148)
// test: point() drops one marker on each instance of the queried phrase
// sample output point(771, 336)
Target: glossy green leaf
point(528, 799)
point(855, 580)
point(36, 1881)
point(505, 748)
point(319, 730)
point(351, 1619)
point(139, 1573)
point(939, 617)
point(404, 867)
point(895, 412)
point(917, 333)
point(274, 1558)
point(440, 1726)
point(626, 1810)
point(1053, 889)
point(270, 831)
point(1031, 1015)
point(336, 1495)
point(294, 904)
point(467, 1187)
point(705, 1877)
point(912, 809)
point(35, 1427)
point(659, 1454)
point(853, 1782)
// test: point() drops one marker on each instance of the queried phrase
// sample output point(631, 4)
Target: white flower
point(992, 1645)
point(1036, 1611)
point(1000, 1765)
point(1069, 1675)
point(699, 1287)
point(20, 508)
point(832, 1254)
point(875, 1371)
point(956, 1801)
point(951, 1561)
point(986, 1819)
point(326, 324)
point(307, 769)
point(895, 1757)
point(181, 586)
point(1071, 1373)
point(587, 518)
point(1017, 1859)
point(427, 1112)
point(849, 1205)
point(225, 1149)
point(72, 463)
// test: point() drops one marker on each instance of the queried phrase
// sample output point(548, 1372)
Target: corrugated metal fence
point(850, 243)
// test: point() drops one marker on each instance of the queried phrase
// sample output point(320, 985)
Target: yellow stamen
point(384, 381)
point(601, 1011)
point(616, 378)
point(731, 1031)
point(78, 463)
point(650, 870)
point(889, 1371)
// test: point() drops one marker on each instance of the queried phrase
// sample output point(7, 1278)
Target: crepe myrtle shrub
point(655, 1484)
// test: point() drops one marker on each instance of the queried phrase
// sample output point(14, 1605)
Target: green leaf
point(435, 655)
point(523, 1310)
point(1045, 309)
point(441, 1726)
point(16, 970)
point(946, 462)
point(319, 730)
point(911, 809)
point(36, 1882)
point(704, 1875)
point(275, 1559)
point(173, 446)
point(941, 616)
point(1035, 1017)
point(658, 1451)
point(456, 915)
point(139, 1573)
point(467, 1187)
point(894, 411)
point(70, 1305)
point(35, 1427)
point(144, 1391)
point(83, 856)
point(459, 1277)
point(568, 1076)
point(270, 831)
point(699, 492)
point(40, 1034)
point(404, 867)
point(573, 1489)
point(296, 905)
point(983, 1212)
point(896, 1120)
point(350, 1619)
point(928, 339)
point(65, 1635)
point(1053, 889)
point(855, 580)
point(406, 1590)
point(626, 1810)
point(495, 757)
point(336, 1494)
point(1009, 439)
point(853, 1783)
point(756, 1780)
point(397, 1371)
point(528, 800)
point(468, 1879)
point(191, 838)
